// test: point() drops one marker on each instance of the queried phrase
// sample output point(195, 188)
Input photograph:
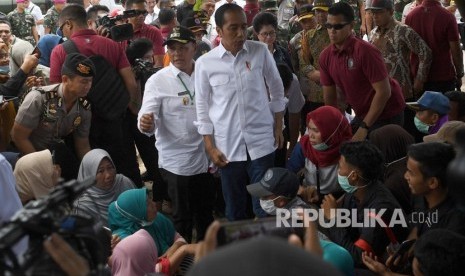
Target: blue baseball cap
point(435, 101)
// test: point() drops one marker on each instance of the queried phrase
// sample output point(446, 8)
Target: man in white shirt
point(241, 123)
point(152, 11)
point(35, 11)
point(168, 109)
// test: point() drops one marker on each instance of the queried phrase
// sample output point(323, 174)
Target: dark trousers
point(235, 176)
point(108, 135)
point(193, 198)
point(440, 86)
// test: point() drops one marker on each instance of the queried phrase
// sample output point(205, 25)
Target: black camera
point(119, 32)
point(144, 69)
point(51, 214)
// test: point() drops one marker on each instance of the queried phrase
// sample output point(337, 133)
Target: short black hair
point(5, 21)
point(344, 9)
point(228, 7)
point(286, 74)
point(166, 16)
point(75, 13)
point(366, 157)
point(459, 98)
point(138, 48)
point(263, 19)
point(433, 159)
point(77, 2)
point(129, 3)
point(440, 252)
point(97, 8)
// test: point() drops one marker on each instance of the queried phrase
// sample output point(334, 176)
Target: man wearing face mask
point(431, 113)
point(277, 189)
point(359, 174)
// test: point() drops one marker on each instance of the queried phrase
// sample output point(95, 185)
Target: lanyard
point(191, 96)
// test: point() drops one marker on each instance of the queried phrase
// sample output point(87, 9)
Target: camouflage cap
point(379, 4)
point(306, 11)
point(269, 5)
point(322, 5)
point(180, 34)
point(77, 64)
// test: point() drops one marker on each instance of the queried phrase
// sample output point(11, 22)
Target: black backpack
point(108, 95)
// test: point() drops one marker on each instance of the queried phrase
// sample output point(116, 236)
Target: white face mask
point(268, 205)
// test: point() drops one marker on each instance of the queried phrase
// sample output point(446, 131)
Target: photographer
point(142, 30)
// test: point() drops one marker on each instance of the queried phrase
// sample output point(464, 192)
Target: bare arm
point(382, 95)
point(131, 85)
point(20, 135)
point(35, 34)
point(330, 95)
point(457, 56)
point(158, 60)
point(216, 156)
point(82, 146)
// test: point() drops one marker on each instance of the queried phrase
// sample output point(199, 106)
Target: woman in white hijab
point(36, 175)
point(109, 185)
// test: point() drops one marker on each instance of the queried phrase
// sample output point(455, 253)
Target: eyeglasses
point(269, 34)
point(61, 26)
point(336, 26)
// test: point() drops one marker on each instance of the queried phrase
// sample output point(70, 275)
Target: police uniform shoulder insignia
point(77, 121)
point(85, 103)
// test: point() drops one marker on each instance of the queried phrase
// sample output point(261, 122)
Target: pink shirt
point(353, 70)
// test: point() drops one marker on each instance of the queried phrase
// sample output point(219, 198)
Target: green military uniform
point(356, 5)
point(21, 25)
point(318, 40)
point(43, 110)
point(51, 20)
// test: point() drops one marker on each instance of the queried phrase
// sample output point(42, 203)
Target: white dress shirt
point(180, 147)
point(35, 11)
point(150, 17)
point(232, 100)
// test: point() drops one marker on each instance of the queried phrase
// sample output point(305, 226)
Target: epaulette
point(85, 103)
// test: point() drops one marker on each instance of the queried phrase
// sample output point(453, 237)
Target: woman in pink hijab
point(135, 255)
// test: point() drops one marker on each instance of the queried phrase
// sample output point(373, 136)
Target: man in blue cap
point(431, 113)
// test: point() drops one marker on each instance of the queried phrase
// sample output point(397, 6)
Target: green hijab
point(128, 214)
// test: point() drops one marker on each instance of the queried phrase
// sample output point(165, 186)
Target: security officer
point(49, 114)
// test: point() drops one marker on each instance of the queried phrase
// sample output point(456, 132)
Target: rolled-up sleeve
point(274, 83)
point(202, 99)
point(150, 103)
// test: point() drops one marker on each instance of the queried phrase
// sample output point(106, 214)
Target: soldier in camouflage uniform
point(23, 24)
point(51, 18)
point(317, 40)
point(282, 35)
point(359, 11)
point(307, 21)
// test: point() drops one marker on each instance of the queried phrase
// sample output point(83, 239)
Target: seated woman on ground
point(135, 210)
point(36, 175)
point(108, 185)
point(317, 153)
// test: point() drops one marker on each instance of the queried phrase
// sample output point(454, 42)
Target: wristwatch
point(363, 125)
point(460, 75)
point(308, 69)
